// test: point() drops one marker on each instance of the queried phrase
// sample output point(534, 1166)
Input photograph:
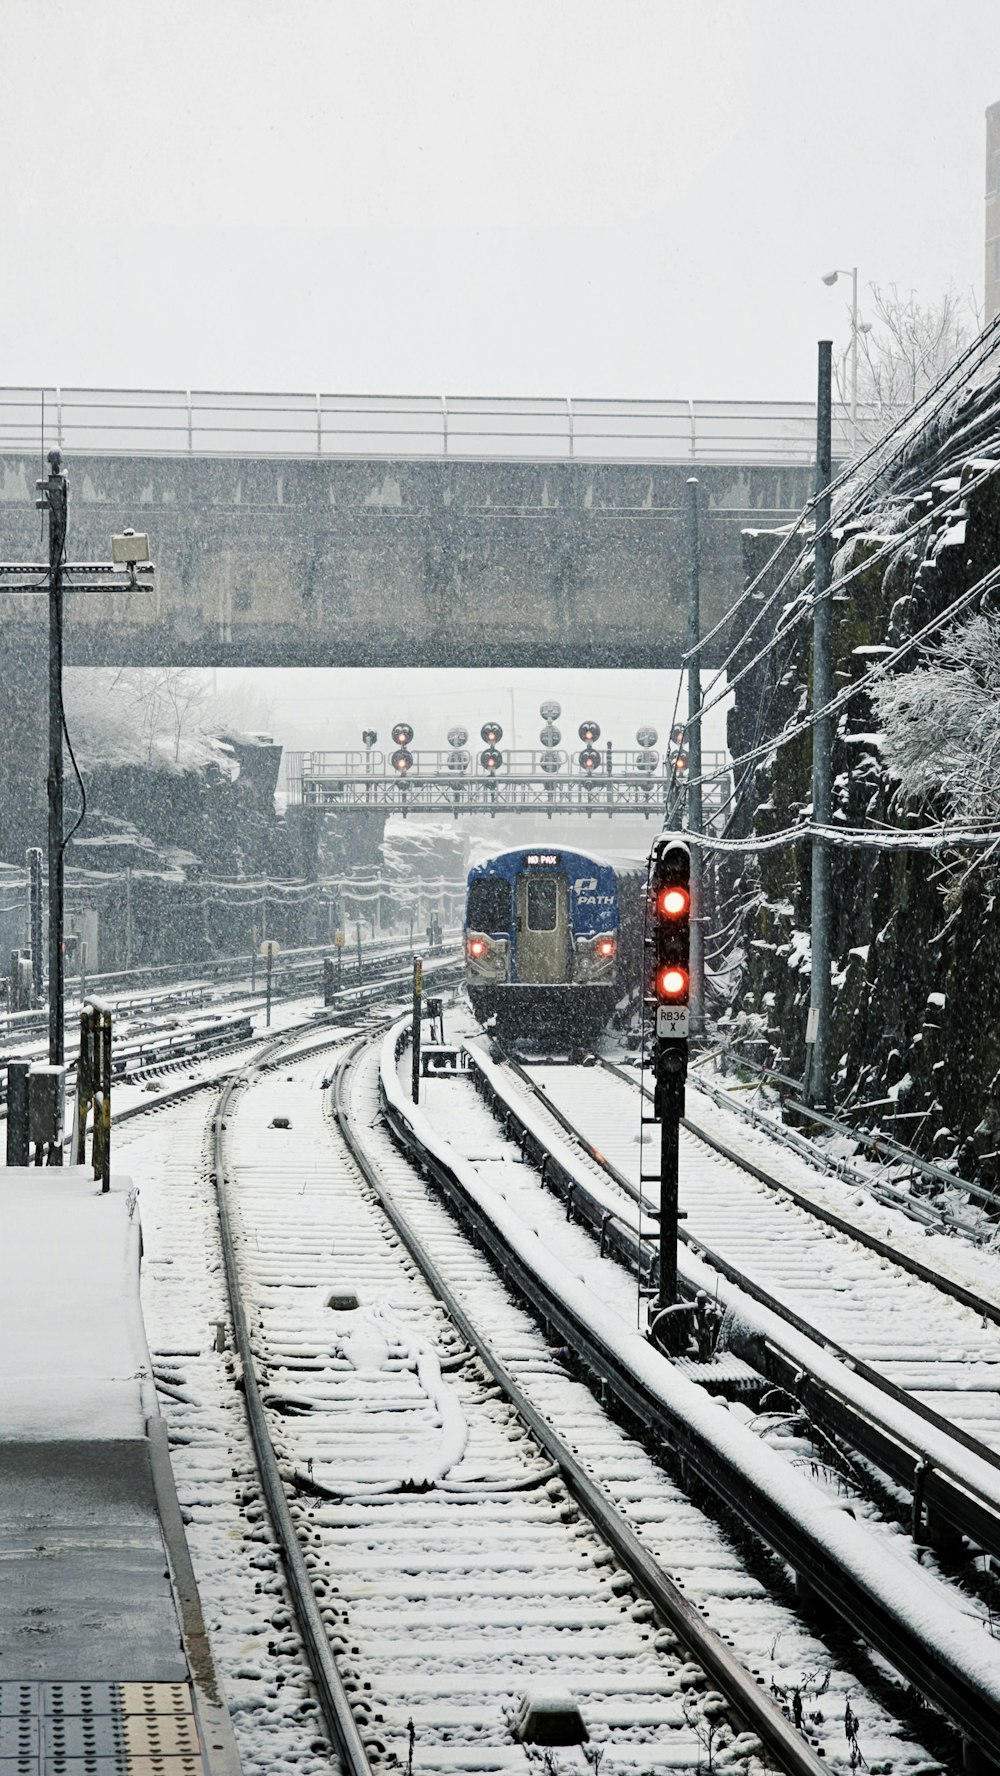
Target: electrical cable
point(984, 344)
point(805, 601)
point(982, 586)
point(926, 838)
point(76, 772)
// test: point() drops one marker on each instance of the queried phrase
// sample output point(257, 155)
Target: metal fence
point(176, 422)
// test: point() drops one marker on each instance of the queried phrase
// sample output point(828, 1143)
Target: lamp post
point(830, 277)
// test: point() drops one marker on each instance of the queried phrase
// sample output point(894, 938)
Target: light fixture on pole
point(830, 277)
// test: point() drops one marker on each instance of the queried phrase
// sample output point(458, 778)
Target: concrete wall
point(364, 563)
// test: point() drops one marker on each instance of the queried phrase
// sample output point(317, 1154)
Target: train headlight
point(595, 957)
point(486, 958)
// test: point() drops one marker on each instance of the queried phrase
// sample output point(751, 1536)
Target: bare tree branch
point(906, 347)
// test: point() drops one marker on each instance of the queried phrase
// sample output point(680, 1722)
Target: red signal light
point(401, 760)
point(673, 902)
point(672, 982)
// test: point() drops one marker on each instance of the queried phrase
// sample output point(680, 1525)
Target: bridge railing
point(181, 422)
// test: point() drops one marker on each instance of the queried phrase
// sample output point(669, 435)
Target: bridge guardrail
point(184, 422)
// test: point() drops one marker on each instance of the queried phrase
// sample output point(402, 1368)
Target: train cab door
point(542, 911)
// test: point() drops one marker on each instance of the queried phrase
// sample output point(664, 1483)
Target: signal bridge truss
point(366, 781)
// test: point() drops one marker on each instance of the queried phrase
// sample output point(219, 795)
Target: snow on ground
point(566, 1256)
point(246, 1607)
point(73, 1357)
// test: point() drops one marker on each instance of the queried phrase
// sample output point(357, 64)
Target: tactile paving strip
point(98, 1729)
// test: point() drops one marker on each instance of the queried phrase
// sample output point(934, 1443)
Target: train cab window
point(489, 906)
point(543, 903)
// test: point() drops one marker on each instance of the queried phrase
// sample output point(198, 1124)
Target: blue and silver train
point(550, 942)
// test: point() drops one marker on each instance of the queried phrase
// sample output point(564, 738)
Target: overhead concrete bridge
point(380, 531)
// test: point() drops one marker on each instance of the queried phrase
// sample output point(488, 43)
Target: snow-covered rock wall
point(916, 940)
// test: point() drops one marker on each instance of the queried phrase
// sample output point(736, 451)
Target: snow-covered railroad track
point(452, 1569)
point(668, 1527)
point(909, 1441)
point(815, 1247)
point(883, 1597)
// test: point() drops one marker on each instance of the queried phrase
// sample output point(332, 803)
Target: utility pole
point(54, 498)
point(693, 739)
point(35, 924)
point(817, 1079)
point(418, 988)
point(128, 915)
point(129, 558)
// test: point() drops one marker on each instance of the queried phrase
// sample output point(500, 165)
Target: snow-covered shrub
point(941, 725)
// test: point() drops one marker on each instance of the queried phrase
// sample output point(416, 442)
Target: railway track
point(166, 1048)
point(958, 1469)
point(172, 993)
point(444, 1525)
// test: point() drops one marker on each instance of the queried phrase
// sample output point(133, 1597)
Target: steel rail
point(167, 1099)
point(946, 1285)
point(743, 1692)
point(936, 1487)
point(235, 1034)
point(971, 1705)
point(332, 1695)
point(874, 1138)
point(349, 1000)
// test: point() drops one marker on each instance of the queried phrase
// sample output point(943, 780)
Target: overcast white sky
point(313, 707)
point(616, 197)
point(582, 197)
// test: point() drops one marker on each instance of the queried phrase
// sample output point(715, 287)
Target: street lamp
point(830, 277)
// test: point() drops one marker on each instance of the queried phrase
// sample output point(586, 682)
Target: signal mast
point(667, 995)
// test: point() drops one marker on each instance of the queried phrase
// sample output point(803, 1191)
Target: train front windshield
point(489, 906)
point(543, 903)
